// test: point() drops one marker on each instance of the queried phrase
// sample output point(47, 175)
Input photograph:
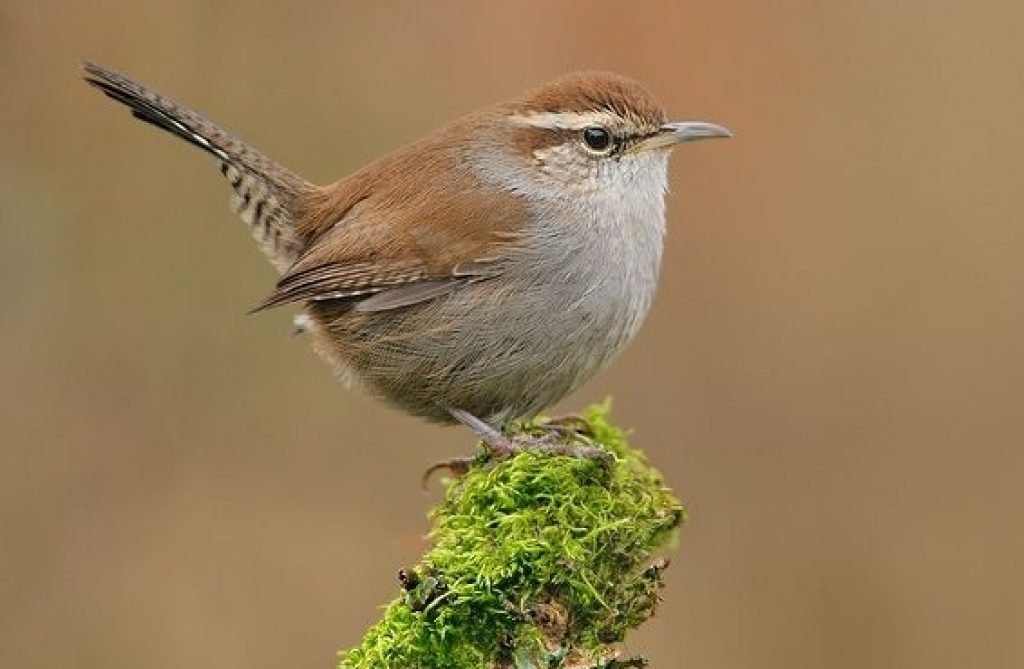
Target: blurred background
point(831, 377)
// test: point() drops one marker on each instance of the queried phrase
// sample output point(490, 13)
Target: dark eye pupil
point(597, 138)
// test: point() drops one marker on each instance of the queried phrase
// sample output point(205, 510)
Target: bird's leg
point(497, 443)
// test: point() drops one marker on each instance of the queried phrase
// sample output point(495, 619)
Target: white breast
point(594, 262)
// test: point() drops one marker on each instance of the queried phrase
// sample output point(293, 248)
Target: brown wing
point(377, 287)
point(334, 281)
point(406, 229)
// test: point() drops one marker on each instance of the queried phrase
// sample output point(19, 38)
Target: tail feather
point(267, 196)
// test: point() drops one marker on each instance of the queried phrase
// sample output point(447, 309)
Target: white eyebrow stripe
point(564, 120)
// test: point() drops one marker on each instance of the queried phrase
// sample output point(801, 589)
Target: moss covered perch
point(537, 561)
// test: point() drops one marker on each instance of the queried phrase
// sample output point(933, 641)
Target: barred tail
point(267, 196)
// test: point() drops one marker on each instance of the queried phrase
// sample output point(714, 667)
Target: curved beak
point(671, 134)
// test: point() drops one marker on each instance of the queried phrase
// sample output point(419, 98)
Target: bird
point(479, 274)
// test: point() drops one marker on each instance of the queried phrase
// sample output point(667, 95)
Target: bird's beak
point(671, 134)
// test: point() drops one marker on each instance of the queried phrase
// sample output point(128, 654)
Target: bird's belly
point(499, 350)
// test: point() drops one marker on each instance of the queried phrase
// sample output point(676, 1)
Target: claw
point(457, 467)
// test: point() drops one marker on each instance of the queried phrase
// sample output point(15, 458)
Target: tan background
point(831, 376)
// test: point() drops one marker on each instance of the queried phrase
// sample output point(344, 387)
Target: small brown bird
point(479, 274)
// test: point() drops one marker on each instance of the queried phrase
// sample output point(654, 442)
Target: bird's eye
point(597, 138)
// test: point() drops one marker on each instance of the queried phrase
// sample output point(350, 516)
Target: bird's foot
point(555, 438)
point(552, 442)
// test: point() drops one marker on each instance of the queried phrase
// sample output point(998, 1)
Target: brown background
point(831, 376)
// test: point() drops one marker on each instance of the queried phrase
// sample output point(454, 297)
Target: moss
point(537, 561)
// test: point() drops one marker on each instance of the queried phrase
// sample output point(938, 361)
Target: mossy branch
point(538, 561)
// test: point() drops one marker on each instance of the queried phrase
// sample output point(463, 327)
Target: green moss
point(537, 561)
